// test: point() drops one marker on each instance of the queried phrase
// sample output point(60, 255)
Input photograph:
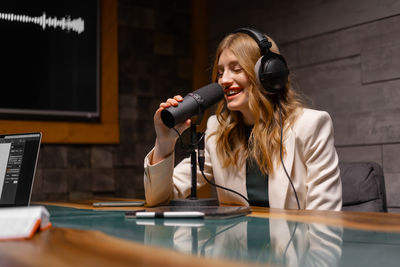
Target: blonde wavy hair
point(264, 142)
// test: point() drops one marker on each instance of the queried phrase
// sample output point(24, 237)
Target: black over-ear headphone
point(271, 68)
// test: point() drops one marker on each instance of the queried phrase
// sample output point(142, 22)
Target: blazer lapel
point(279, 182)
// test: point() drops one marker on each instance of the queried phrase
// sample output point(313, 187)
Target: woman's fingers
point(178, 98)
point(172, 102)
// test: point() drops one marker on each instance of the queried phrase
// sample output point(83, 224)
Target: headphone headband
point(260, 38)
point(271, 69)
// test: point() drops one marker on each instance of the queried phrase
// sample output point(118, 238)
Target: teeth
point(232, 92)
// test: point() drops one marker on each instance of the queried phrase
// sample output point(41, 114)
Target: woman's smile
point(232, 92)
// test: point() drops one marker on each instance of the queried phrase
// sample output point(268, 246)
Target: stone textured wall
point(344, 56)
point(154, 64)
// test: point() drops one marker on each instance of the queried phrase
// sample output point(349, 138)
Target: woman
point(243, 149)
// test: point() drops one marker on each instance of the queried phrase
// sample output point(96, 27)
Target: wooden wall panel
point(367, 128)
point(337, 87)
point(291, 20)
point(361, 153)
point(348, 42)
point(391, 154)
point(329, 76)
point(331, 46)
point(329, 83)
point(391, 168)
point(392, 182)
point(381, 63)
point(320, 17)
point(371, 97)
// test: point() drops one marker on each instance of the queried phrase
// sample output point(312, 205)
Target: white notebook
point(23, 222)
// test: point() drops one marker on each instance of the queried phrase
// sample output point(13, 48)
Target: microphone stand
point(196, 142)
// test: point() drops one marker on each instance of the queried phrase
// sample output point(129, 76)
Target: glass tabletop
point(245, 239)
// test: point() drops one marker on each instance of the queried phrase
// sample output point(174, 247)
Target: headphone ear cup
point(272, 73)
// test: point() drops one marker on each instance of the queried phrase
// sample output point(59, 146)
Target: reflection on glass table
point(250, 239)
point(245, 239)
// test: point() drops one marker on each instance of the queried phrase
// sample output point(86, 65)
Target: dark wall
point(344, 56)
point(154, 64)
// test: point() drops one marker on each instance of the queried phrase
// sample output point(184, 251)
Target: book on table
point(23, 222)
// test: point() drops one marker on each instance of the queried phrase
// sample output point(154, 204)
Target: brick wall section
point(154, 64)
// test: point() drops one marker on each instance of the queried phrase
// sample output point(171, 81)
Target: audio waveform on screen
point(66, 23)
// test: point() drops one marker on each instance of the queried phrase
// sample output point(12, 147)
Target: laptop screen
point(18, 158)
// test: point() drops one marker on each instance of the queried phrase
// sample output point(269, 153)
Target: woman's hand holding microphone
point(166, 137)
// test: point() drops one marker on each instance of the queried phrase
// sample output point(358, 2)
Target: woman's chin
point(232, 107)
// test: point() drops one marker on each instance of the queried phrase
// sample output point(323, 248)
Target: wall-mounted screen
point(50, 59)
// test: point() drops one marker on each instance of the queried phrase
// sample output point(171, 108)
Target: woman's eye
point(237, 70)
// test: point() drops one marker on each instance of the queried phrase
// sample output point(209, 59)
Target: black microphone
point(192, 104)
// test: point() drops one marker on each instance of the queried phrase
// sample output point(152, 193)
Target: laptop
point(18, 159)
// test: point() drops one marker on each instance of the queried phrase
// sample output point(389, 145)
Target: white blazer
point(311, 161)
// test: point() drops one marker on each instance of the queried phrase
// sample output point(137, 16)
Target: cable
point(201, 139)
point(225, 188)
point(203, 247)
point(287, 245)
point(182, 144)
point(280, 150)
point(201, 160)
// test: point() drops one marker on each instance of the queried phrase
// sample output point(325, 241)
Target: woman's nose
point(225, 78)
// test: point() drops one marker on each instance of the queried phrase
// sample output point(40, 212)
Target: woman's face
point(236, 83)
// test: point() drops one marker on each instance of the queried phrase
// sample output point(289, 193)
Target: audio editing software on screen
point(11, 154)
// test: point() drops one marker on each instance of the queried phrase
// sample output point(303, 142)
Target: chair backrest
point(363, 186)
